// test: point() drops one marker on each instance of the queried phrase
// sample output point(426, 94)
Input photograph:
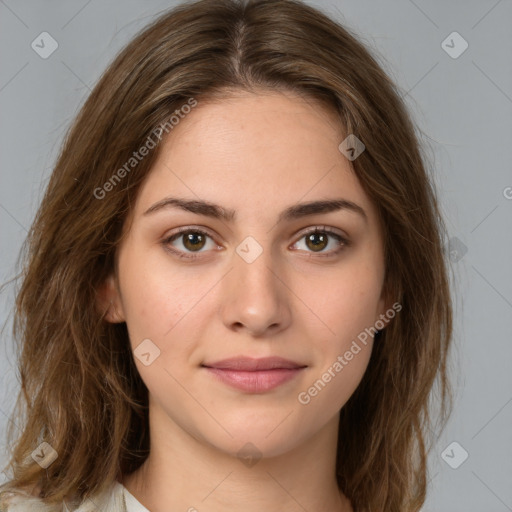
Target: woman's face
point(206, 310)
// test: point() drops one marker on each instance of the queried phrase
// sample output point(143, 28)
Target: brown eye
point(317, 241)
point(193, 241)
point(189, 243)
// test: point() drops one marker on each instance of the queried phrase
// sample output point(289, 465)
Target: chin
point(267, 437)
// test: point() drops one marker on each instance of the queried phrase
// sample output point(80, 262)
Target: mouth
point(254, 375)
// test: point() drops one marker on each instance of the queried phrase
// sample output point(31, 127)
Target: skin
point(255, 153)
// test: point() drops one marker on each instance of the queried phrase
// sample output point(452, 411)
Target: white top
point(116, 499)
point(132, 504)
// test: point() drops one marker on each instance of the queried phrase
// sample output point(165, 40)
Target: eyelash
point(192, 256)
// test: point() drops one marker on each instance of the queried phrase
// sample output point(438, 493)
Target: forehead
point(254, 153)
point(264, 124)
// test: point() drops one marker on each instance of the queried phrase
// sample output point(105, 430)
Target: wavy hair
point(80, 389)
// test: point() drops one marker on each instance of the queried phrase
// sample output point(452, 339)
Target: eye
point(317, 239)
point(187, 241)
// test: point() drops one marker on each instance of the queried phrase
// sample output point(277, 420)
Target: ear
point(108, 300)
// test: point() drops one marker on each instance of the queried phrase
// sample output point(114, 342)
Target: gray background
point(463, 106)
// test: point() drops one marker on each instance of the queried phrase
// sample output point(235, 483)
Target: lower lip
point(255, 381)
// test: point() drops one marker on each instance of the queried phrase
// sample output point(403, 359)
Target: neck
point(188, 474)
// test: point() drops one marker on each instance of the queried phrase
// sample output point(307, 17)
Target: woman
point(235, 294)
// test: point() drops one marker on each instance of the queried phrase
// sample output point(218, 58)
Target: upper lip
point(249, 364)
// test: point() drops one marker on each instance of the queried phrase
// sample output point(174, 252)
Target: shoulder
point(19, 500)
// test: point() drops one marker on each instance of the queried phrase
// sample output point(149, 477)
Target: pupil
point(192, 240)
point(319, 244)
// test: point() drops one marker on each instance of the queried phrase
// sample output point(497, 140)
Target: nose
point(255, 297)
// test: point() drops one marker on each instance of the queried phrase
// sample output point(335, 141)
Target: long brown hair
point(80, 389)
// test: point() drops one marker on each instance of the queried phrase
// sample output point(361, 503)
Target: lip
point(250, 364)
point(254, 375)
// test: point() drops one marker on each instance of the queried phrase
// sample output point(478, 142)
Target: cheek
point(165, 307)
point(328, 391)
point(348, 305)
point(157, 298)
point(344, 303)
point(349, 309)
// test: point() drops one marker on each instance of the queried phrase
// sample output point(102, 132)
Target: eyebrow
point(296, 211)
